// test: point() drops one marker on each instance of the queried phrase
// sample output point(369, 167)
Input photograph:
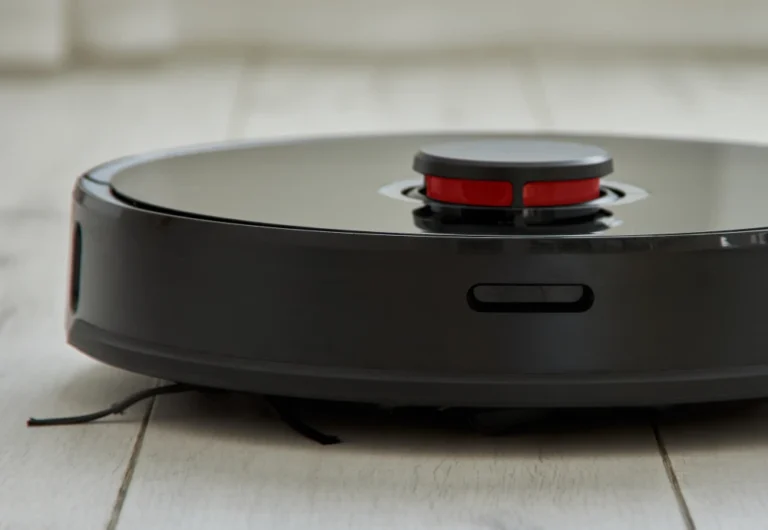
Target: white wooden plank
point(671, 95)
point(218, 463)
point(293, 97)
point(51, 129)
point(719, 456)
point(731, 97)
point(620, 93)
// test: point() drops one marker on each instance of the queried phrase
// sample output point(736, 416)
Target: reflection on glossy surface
point(335, 183)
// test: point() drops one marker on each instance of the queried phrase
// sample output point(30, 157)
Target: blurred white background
point(49, 33)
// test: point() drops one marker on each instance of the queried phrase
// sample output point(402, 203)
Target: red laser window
point(561, 193)
point(469, 192)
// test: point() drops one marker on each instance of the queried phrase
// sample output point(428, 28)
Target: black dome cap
point(513, 160)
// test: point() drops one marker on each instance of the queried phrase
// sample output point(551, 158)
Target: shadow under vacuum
point(270, 420)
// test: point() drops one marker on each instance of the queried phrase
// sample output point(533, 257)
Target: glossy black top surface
point(356, 183)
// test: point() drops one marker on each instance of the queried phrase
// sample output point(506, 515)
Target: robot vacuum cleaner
point(438, 270)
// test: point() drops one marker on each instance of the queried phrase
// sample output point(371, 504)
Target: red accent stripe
point(561, 193)
point(500, 193)
point(469, 192)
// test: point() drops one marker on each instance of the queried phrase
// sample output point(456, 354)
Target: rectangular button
point(530, 298)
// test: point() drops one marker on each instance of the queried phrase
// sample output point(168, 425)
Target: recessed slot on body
point(530, 298)
point(74, 273)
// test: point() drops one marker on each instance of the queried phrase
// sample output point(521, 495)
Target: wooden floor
point(191, 462)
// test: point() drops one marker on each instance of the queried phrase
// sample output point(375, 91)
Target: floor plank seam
point(673, 481)
point(122, 493)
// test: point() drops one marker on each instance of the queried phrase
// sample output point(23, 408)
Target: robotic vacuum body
point(442, 270)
